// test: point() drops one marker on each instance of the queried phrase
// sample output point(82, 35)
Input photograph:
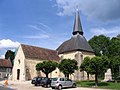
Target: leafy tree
point(114, 56)
point(68, 66)
point(100, 44)
point(97, 65)
point(115, 66)
point(114, 47)
point(46, 67)
point(85, 66)
point(118, 36)
point(10, 55)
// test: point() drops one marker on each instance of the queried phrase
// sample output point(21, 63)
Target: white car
point(59, 83)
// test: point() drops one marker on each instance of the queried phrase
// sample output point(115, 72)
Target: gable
point(39, 53)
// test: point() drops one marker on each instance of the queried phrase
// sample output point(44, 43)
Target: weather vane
point(77, 5)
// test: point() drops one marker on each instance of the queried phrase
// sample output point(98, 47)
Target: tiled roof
point(39, 53)
point(76, 43)
point(5, 63)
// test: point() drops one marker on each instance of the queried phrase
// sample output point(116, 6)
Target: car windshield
point(34, 78)
point(54, 79)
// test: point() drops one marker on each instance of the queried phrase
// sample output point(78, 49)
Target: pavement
point(26, 85)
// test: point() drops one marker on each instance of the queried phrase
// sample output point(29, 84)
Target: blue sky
point(48, 23)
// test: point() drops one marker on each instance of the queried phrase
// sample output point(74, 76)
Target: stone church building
point(76, 48)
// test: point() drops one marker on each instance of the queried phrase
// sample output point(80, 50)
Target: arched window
point(19, 61)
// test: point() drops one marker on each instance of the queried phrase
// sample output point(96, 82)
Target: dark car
point(46, 82)
point(36, 80)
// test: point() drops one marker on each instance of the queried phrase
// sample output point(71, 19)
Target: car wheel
point(53, 87)
point(48, 85)
point(45, 86)
point(59, 87)
point(35, 84)
point(74, 85)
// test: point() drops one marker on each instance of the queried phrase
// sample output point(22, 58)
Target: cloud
point(66, 7)
point(114, 31)
point(36, 28)
point(8, 44)
point(2, 56)
point(102, 10)
point(44, 25)
point(37, 37)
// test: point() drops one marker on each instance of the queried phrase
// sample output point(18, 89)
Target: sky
point(48, 23)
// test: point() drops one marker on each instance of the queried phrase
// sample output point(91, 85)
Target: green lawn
point(105, 85)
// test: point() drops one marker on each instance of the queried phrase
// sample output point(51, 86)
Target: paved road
point(28, 86)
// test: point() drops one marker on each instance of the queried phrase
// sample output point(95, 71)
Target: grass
point(105, 85)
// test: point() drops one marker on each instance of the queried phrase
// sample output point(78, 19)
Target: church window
point(61, 57)
point(19, 61)
point(81, 57)
point(0, 74)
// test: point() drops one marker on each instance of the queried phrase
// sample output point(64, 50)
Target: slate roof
point(39, 53)
point(77, 24)
point(76, 43)
point(5, 63)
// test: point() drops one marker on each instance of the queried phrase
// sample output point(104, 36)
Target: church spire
point(77, 24)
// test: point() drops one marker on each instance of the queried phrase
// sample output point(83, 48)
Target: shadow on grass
point(99, 84)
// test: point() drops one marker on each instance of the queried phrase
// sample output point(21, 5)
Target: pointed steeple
point(77, 24)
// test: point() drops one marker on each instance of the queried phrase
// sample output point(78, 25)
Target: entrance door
point(18, 74)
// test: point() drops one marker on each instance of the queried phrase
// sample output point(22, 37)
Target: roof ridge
point(37, 47)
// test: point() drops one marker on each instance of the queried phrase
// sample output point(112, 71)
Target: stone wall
point(79, 57)
point(19, 63)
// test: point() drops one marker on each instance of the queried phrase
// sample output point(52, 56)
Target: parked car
point(36, 80)
point(46, 82)
point(59, 83)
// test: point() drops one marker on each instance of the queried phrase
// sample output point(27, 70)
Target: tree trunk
point(96, 79)
point(87, 76)
point(47, 75)
point(67, 76)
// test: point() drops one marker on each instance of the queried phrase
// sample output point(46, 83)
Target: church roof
point(78, 41)
point(39, 53)
point(77, 24)
point(5, 63)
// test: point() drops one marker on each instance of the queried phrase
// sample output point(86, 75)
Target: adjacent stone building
point(5, 68)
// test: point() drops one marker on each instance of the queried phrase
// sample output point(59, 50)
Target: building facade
point(5, 68)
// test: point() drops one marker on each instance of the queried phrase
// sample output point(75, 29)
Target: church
point(77, 47)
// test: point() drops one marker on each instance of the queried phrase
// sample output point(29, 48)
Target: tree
point(100, 44)
point(68, 66)
point(114, 56)
point(118, 36)
point(114, 47)
point(10, 55)
point(85, 66)
point(46, 67)
point(115, 66)
point(97, 65)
